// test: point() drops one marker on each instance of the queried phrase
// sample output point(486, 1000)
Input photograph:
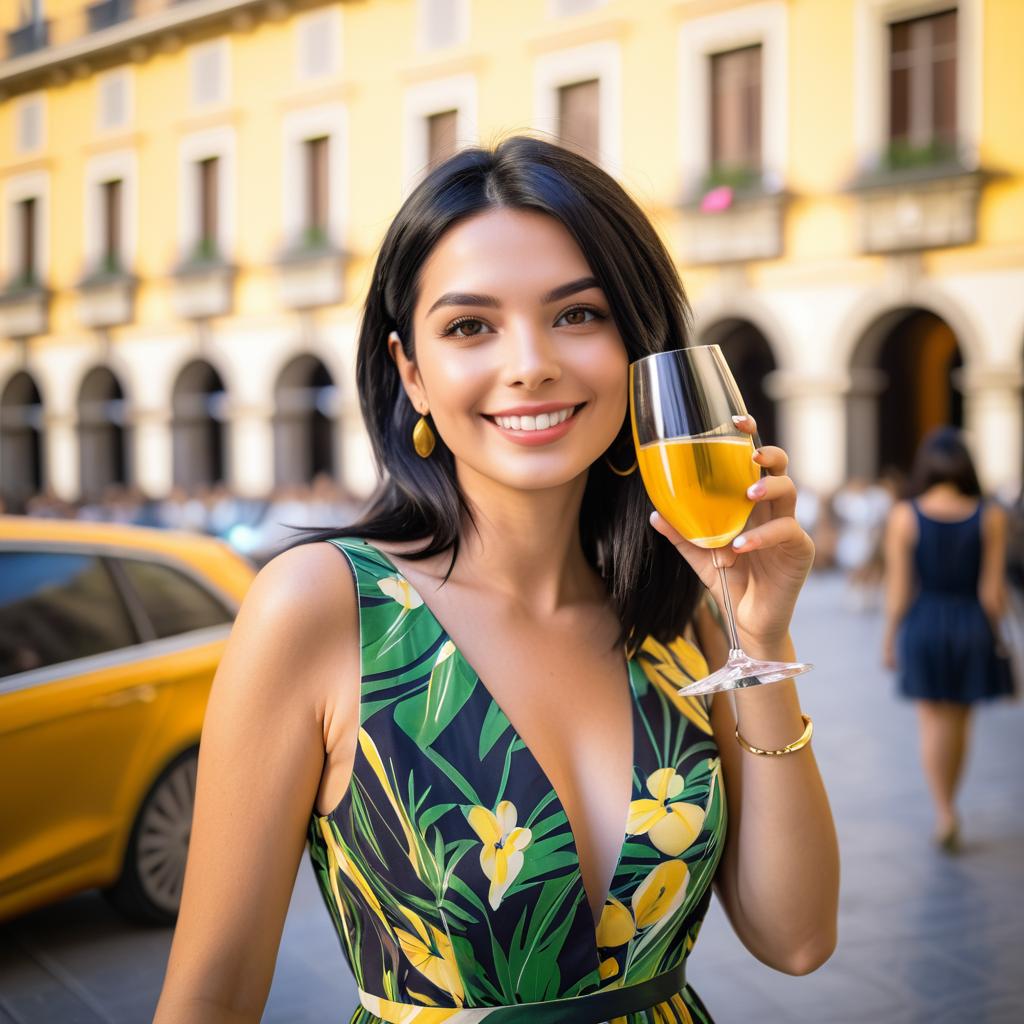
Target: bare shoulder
point(299, 613)
point(902, 522)
point(994, 517)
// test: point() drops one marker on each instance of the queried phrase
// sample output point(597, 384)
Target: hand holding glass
point(697, 465)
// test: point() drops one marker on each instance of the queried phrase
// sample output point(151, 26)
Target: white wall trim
point(211, 142)
point(224, 66)
point(459, 37)
point(18, 109)
point(328, 20)
point(25, 186)
point(766, 24)
point(871, 78)
point(330, 120)
point(459, 92)
point(123, 164)
point(564, 67)
point(127, 77)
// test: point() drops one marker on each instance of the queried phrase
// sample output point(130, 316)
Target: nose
point(530, 357)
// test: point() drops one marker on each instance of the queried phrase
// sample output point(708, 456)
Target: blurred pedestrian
point(945, 596)
point(860, 507)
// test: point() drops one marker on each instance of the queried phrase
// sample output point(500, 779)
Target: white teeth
point(541, 422)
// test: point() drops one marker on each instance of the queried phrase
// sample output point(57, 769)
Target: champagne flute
point(697, 465)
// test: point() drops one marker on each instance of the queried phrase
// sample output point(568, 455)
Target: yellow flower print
point(669, 667)
point(616, 926)
point(675, 1011)
point(430, 952)
point(660, 892)
point(401, 590)
point(501, 857)
point(671, 826)
point(608, 968)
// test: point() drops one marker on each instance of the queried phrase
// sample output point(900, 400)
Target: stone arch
point(22, 461)
point(903, 381)
point(104, 433)
point(199, 426)
point(305, 421)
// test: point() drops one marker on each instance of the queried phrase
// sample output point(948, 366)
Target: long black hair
point(943, 458)
point(652, 586)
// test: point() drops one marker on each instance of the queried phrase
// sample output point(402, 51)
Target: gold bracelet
point(789, 748)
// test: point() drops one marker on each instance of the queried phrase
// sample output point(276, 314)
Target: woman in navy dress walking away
point(946, 592)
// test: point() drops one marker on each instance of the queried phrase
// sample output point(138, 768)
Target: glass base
point(740, 671)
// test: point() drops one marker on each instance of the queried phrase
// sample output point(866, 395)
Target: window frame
point(147, 646)
point(871, 75)
point(764, 24)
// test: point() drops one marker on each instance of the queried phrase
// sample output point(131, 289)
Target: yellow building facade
point(192, 194)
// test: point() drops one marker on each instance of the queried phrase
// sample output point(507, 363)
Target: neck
point(526, 544)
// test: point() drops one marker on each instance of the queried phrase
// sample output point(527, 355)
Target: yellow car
point(109, 639)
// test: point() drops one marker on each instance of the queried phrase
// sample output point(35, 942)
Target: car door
point(75, 699)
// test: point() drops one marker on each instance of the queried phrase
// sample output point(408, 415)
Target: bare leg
point(943, 747)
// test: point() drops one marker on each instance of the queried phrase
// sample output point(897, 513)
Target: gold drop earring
point(621, 472)
point(423, 438)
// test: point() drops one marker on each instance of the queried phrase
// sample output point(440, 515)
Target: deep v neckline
point(634, 739)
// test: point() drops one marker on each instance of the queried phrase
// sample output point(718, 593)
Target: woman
point(946, 592)
point(464, 793)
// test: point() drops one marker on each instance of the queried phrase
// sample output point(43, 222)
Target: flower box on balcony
point(311, 272)
point(106, 296)
point(24, 309)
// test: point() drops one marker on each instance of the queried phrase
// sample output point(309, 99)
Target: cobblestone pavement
point(923, 937)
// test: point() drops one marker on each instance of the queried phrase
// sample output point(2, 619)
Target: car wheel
point(149, 888)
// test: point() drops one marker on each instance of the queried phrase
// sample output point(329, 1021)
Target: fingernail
point(757, 452)
point(650, 518)
point(755, 490)
point(739, 541)
point(740, 419)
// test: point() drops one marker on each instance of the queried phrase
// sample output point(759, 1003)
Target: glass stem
point(734, 640)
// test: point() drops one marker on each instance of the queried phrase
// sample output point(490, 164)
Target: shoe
point(949, 840)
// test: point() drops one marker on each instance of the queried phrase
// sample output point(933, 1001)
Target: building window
point(441, 136)
point(317, 195)
point(207, 171)
point(27, 270)
point(209, 72)
point(318, 38)
point(735, 90)
point(442, 23)
point(922, 85)
point(29, 120)
point(113, 99)
point(112, 248)
point(579, 116)
point(566, 8)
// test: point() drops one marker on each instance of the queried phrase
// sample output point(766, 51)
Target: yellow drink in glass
point(699, 484)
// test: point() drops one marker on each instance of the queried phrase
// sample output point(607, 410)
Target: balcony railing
point(33, 36)
point(109, 12)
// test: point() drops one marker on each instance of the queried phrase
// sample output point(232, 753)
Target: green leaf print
point(495, 723)
point(424, 715)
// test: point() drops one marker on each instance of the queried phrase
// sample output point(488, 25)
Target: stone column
point(251, 441)
point(812, 425)
point(994, 422)
point(60, 455)
point(151, 455)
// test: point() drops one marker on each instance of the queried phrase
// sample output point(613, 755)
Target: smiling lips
point(539, 428)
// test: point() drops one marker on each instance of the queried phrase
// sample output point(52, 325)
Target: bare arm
point(992, 578)
point(260, 761)
point(778, 880)
point(900, 537)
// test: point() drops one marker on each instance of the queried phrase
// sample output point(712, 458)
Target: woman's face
point(509, 321)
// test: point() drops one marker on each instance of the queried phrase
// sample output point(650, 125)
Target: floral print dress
point(450, 868)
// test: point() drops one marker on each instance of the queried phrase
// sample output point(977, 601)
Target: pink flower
point(717, 199)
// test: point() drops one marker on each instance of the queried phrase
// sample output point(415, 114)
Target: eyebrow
point(469, 299)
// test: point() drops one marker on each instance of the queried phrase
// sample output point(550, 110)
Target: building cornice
point(134, 39)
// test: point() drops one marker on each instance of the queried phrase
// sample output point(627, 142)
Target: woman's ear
point(408, 374)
